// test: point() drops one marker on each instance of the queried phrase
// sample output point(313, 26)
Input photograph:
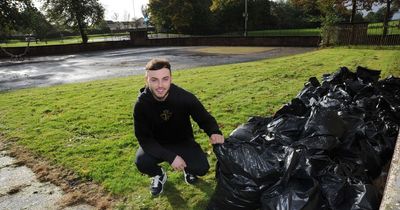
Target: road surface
point(60, 69)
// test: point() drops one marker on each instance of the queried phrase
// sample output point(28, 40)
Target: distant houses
point(127, 25)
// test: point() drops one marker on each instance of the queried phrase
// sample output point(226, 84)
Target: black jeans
point(192, 154)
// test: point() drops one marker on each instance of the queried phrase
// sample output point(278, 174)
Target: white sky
point(124, 9)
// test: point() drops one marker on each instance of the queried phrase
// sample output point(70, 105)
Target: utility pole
point(245, 15)
point(134, 15)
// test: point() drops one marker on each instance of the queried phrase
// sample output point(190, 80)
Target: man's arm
point(205, 120)
point(145, 137)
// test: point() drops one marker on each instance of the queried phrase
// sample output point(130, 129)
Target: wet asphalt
point(60, 69)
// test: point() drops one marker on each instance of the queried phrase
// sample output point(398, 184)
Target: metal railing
point(364, 34)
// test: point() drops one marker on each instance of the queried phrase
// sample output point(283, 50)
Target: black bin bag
point(298, 193)
point(319, 151)
point(235, 192)
point(244, 169)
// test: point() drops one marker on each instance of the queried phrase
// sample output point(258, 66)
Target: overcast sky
point(124, 9)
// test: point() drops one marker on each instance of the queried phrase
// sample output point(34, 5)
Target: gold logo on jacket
point(166, 115)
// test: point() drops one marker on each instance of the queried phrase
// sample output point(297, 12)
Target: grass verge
point(65, 40)
point(287, 32)
point(87, 127)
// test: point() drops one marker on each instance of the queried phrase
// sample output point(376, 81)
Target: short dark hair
point(157, 64)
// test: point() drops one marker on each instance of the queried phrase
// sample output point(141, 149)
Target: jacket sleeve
point(202, 117)
point(144, 135)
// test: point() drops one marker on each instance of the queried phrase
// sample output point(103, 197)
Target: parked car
point(30, 37)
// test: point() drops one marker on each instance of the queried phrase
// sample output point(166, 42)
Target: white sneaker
point(157, 183)
point(189, 178)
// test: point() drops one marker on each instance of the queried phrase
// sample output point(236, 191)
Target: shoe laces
point(155, 181)
point(189, 175)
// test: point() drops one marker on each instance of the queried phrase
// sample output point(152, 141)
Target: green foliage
point(21, 16)
point(259, 14)
point(78, 14)
point(99, 28)
point(309, 7)
point(229, 14)
point(37, 23)
point(189, 17)
point(286, 15)
point(331, 16)
point(377, 16)
point(222, 16)
point(10, 13)
point(87, 127)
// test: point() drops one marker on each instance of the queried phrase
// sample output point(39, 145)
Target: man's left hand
point(217, 139)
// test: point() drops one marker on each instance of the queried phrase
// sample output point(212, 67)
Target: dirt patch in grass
point(76, 190)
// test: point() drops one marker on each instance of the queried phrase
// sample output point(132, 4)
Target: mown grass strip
point(87, 127)
point(64, 40)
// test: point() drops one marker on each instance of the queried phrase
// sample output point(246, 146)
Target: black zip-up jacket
point(158, 123)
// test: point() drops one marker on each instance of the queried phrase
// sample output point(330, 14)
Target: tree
point(377, 16)
point(21, 16)
point(339, 7)
point(37, 23)
point(286, 15)
point(78, 14)
point(259, 14)
point(11, 17)
point(388, 13)
point(310, 7)
point(357, 5)
point(182, 16)
point(229, 14)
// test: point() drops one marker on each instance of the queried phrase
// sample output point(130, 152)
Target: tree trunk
point(386, 20)
point(353, 14)
point(353, 10)
point(82, 31)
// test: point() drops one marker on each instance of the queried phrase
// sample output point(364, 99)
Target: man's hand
point(178, 164)
point(217, 139)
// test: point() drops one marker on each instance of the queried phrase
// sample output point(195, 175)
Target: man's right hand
point(178, 164)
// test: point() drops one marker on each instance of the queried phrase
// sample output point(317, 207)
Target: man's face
point(159, 82)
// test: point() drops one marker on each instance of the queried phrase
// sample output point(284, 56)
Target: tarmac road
point(52, 70)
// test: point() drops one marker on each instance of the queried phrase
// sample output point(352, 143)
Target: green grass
point(63, 41)
point(373, 29)
point(287, 32)
point(87, 127)
point(377, 28)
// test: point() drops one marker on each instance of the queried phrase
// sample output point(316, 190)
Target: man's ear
point(145, 78)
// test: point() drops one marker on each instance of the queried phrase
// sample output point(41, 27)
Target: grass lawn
point(87, 127)
point(287, 32)
point(377, 28)
point(65, 40)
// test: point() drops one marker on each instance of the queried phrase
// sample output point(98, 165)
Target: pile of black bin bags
point(320, 151)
